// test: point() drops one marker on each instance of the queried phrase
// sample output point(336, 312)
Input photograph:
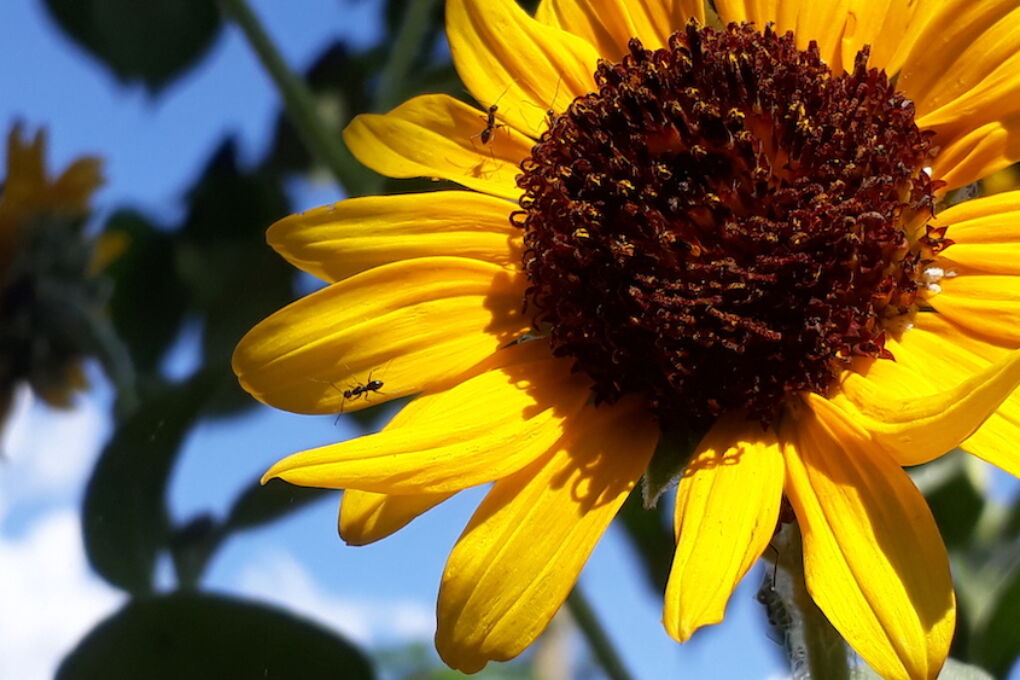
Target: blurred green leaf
point(234, 279)
point(996, 644)
point(191, 546)
point(338, 80)
point(198, 636)
point(124, 518)
point(957, 505)
point(676, 446)
point(149, 300)
point(151, 41)
point(1012, 526)
point(260, 504)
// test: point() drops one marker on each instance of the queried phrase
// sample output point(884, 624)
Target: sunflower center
point(726, 222)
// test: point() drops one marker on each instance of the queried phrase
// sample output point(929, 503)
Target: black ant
point(490, 125)
point(360, 390)
point(357, 392)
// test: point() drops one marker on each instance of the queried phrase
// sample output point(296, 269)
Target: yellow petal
point(891, 28)
point(962, 74)
point(937, 351)
point(986, 232)
point(995, 442)
point(435, 135)
point(685, 10)
point(508, 59)
point(483, 429)
point(965, 215)
point(986, 304)
point(966, 53)
point(410, 324)
point(914, 426)
point(366, 517)
point(336, 241)
point(610, 24)
point(606, 25)
point(873, 558)
point(520, 555)
point(978, 153)
point(808, 19)
point(726, 511)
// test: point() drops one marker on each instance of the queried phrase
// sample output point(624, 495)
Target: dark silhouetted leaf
point(957, 505)
point(151, 41)
point(338, 81)
point(1012, 528)
point(198, 637)
point(671, 456)
point(124, 516)
point(191, 546)
point(234, 279)
point(148, 299)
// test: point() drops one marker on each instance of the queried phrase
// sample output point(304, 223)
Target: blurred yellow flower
point(44, 266)
point(671, 227)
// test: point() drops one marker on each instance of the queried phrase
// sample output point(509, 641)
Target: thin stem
point(814, 648)
point(414, 28)
point(298, 100)
point(599, 642)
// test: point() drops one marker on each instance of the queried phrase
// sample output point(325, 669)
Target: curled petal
point(914, 427)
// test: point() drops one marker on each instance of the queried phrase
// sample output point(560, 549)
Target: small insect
point(362, 390)
point(358, 391)
point(490, 125)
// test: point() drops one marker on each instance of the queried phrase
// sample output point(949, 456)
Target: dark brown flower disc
point(726, 222)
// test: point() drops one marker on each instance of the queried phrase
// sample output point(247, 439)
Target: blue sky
point(152, 150)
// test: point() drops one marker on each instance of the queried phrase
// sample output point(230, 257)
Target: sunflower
point(730, 221)
point(47, 271)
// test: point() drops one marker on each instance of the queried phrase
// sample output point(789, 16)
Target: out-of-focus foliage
point(197, 635)
point(151, 41)
point(983, 539)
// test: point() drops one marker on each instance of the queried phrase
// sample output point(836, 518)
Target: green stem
point(599, 642)
point(298, 100)
point(813, 647)
point(414, 28)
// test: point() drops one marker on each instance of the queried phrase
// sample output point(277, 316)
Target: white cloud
point(47, 453)
point(278, 578)
point(50, 598)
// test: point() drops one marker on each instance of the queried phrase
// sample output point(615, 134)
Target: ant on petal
point(490, 125)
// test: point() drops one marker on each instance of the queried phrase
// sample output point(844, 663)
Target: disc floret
point(725, 222)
